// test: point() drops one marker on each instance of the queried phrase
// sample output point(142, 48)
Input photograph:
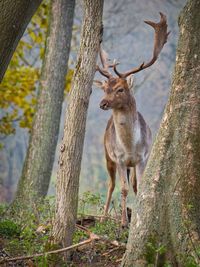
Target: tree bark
point(165, 222)
point(36, 173)
point(74, 129)
point(14, 18)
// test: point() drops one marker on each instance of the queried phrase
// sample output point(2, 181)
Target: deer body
point(127, 138)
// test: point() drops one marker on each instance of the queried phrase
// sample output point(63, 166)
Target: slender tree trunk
point(14, 18)
point(74, 130)
point(39, 160)
point(165, 223)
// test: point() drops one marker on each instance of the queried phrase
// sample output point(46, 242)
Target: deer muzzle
point(104, 104)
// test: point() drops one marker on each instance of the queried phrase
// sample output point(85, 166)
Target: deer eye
point(120, 90)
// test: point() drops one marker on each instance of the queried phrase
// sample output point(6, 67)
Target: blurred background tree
point(18, 98)
point(19, 88)
point(36, 173)
point(14, 18)
point(18, 92)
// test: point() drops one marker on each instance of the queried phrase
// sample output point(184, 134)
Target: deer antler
point(105, 63)
point(160, 38)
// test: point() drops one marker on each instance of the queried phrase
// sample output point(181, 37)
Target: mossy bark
point(38, 164)
point(75, 122)
point(167, 214)
point(14, 18)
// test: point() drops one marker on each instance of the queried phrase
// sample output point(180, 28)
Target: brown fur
point(127, 140)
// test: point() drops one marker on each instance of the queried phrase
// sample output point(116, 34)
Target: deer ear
point(130, 82)
point(98, 84)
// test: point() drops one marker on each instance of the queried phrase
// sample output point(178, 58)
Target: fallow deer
point(127, 138)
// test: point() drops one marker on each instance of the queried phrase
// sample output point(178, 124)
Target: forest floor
point(96, 242)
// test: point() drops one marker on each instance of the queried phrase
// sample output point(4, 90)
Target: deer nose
point(104, 104)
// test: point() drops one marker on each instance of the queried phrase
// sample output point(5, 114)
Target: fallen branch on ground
point(92, 237)
point(87, 241)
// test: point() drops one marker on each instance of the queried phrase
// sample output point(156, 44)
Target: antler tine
point(105, 63)
point(103, 72)
point(160, 38)
point(104, 58)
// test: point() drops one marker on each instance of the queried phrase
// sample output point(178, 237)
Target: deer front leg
point(124, 193)
point(111, 167)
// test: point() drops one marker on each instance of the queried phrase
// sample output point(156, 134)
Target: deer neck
point(124, 121)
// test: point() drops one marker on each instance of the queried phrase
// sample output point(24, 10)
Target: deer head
point(117, 89)
point(117, 94)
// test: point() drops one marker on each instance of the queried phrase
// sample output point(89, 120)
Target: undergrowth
point(30, 232)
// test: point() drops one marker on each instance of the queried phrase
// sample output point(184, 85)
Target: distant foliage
point(18, 89)
point(18, 98)
point(90, 202)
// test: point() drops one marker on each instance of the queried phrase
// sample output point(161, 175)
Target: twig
point(119, 260)
point(24, 60)
point(110, 251)
point(112, 242)
point(80, 227)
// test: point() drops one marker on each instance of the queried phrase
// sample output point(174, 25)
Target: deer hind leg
point(122, 170)
point(139, 172)
point(133, 179)
point(111, 167)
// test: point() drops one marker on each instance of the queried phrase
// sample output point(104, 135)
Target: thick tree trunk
point(39, 160)
point(165, 223)
point(74, 130)
point(14, 18)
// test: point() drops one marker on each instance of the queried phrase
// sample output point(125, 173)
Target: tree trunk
point(74, 130)
point(165, 223)
point(39, 160)
point(14, 18)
